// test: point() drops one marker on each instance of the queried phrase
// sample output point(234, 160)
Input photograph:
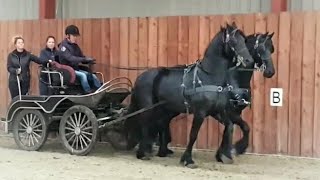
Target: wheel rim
point(79, 131)
point(30, 130)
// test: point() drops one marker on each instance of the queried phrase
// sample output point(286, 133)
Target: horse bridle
point(263, 65)
point(237, 57)
point(263, 45)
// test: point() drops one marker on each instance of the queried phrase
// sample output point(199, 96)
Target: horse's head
point(234, 41)
point(261, 47)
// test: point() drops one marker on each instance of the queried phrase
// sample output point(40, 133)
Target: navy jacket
point(70, 54)
point(21, 60)
point(47, 54)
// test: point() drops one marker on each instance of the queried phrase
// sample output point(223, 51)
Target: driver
point(71, 55)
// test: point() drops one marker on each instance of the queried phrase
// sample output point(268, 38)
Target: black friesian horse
point(199, 89)
point(260, 47)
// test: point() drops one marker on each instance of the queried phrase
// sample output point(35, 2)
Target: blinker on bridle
point(237, 57)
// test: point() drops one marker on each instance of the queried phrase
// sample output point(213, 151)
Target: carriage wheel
point(78, 130)
point(30, 130)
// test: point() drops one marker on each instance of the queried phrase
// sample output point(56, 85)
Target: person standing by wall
point(18, 65)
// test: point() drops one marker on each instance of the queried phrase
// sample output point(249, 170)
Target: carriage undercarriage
point(77, 118)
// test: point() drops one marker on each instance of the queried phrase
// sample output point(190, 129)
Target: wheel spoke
point(37, 126)
point(84, 141)
point(82, 120)
point(85, 124)
point(35, 123)
point(70, 124)
point(29, 140)
point(87, 128)
point(28, 121)
point(81, 142)
point(72, 137)
point(25, 121)
point(32, 117)
point(74, 118)
point(77, 142)
point(78, 119)
point(35, 134)
point(69, 129)
point(24, 138)
point(74, 140)
point(35, 138)
point(86, 137)
point(23, 130)
point(24, 126)
point(31, 137)
point(38, 130)
point(23, 135)
point(69, 133)
point(74, 124)
point(87, 133)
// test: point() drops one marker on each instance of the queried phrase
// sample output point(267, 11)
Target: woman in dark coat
point(18, 65)
point(49, 53)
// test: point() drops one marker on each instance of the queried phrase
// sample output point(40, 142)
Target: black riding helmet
point(73, 30)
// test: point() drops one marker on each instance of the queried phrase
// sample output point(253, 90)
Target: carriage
point(76, 116)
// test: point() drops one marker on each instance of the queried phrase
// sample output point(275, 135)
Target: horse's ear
point(265, 35)
point(271, 35)
point(227, 25)
point(234, 24)
point(221, 28)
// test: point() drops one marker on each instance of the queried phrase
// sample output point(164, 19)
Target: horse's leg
point(224, 152)
point(186, 158)
point(241, 145)
point(144, 144)
point(165, 137)
point(164, 140)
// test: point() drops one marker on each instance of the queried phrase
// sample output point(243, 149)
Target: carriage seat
point(63, 78)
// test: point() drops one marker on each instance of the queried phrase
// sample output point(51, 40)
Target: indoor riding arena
point(155, 60)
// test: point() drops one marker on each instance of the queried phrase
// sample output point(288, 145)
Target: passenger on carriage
point(70, 54)
point(48, 53)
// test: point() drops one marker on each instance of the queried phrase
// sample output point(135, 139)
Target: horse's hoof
point(169, 155)
point(169, 151)
point(192, 166)
point(142, 156)
point(218, 157)
point(162, 154)
point(240, 148)
point(234, 152)
point(145, 158)
point(226, 160)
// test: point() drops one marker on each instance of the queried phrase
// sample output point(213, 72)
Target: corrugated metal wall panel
point(307, 5)
point(316, 4)
point(303, 5)
point(19, 9)
point(134, 8)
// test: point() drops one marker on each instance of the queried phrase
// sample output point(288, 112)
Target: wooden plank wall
point(292, 129)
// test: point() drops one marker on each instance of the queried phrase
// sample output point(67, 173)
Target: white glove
point(18, 71)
